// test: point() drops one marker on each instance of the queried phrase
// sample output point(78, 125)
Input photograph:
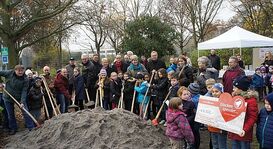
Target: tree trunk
point(13, 54)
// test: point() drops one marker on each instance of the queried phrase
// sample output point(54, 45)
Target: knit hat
point(219, 87)
point(27, 72)
point(269, 98)
point(242, 82)
point(139, 76)
point(38, 79)
point(263, 69)
point(194, 88)
point(103, 72)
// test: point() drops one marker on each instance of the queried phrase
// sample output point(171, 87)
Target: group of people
point(141, 86)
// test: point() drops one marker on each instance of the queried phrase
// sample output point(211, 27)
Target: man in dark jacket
point(233, 72)
point(70, 70)
point(155, 63)
point(16, 85)
point(97, 65)
point(89, 76)
point(215, 60)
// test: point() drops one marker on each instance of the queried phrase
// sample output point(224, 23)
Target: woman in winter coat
point(79, 87)
point(185, 72)
point(135, 67)
point(264, 131)
point(104, 89)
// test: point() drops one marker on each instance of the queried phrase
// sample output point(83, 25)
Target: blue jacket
point(172, 67)
point(141, 90)
point(257, 81)
point(195, 100)
point(264, 131)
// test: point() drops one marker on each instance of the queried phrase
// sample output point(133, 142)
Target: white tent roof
point(236, 38)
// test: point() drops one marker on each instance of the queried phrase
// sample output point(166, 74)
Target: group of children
point(181, 126)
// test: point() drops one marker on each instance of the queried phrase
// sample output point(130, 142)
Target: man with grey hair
point(231, 74)
point(214, 59)
point(89, 76)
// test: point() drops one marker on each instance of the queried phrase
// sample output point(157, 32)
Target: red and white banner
point(226, 112)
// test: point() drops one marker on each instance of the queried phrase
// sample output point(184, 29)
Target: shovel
point(154, 121)
point(89, 103)
point(73, 107)
point(19, 105)
point(134, 97)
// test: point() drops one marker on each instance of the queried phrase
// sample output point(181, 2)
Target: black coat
point(215, 61)
point(161, 89)
point(174, 90)
point(79, 87)
point(106, 89)
point(97, 68)
point(188, 109)
point(115, 90)
point(89, 75)
point(35, 98)
point(186, 76)
point(128, 90)
point(155, 65)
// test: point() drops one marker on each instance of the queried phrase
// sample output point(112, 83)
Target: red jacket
point(229, 76)
point(61, 85)
point(250, 120)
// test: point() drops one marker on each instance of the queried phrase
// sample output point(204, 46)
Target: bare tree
point(201, 14)
point(19, 19)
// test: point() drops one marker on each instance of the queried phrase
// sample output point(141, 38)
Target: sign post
point(5, 55)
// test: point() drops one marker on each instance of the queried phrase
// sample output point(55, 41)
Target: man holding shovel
point(16, 85)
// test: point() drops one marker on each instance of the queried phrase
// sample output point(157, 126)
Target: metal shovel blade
point(90, 103)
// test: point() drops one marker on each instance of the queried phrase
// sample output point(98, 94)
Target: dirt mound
point(93, 129)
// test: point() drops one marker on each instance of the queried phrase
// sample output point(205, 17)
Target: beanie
point(38, 79)
point(103, 72)
point(219, 87)
point(194, 88)
point(242, 82)
point(269, 98)
point(27, 72)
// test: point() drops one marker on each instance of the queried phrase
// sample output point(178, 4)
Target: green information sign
point(5, 51)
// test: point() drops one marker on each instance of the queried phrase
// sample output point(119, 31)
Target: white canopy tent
point(236, 38)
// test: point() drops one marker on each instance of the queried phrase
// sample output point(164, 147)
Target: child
point(218, 137)
point(36, 98)
point(209, 84)
point(188, 107)
point(178, 127)
point(160, 90)
point(120, 75)
point(104, 89)
point(241, 86)
point(79, 87)
point(115, 89)
point(264, 129)
point(258, 82)
point(141, 90)
point(174, 87)
point(128, 91)
point(194, 89)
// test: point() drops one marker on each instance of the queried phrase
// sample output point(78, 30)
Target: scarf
point(137, 67)
point(118, 66)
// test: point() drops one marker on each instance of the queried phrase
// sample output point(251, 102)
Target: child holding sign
point(178, 127)
point(241, 88)
point(218, 136)
point(265, 124)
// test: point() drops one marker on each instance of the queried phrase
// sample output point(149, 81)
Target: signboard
point(5, 59)
point(5, 55)
point(226, 112)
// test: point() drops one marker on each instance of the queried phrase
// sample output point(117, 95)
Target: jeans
point(63, 102)
point(219, 140)
point(11, 116)
point(240, 144)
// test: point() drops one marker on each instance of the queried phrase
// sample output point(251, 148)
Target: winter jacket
point(79, 87)
point(109, 70)
point(121, 67)
point(128, 90)
point(70, 72)
point(229, 76)
point(186, 76)
point(178, 127)
point(195, 100)
point(172, 67)
point(133, 70)
point(115, 90)
point(215, 61)
point(257, 81)
point(188, 109)
point(155, 65)
point(264, 131)
point(161, 89)
point(174, 90)
point(250, 120)
point(96, 69)
point(15, 85)
point(35, 98)
point(106, 89)
point(203, 76)
point(89, 74)
point(61, 85)
point(141, 90)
